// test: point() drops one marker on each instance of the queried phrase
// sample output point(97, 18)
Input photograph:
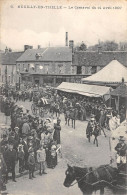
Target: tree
point(80, 47)
point(83, 47)
point(105, 46)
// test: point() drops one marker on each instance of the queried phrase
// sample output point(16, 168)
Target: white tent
point(112, 74)
point(84, 89)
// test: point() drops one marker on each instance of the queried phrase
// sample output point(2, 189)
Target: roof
point(84, 89)
point(9, 58)
point(47, 54)
point(112, 73)
point(94, 58)
point(120, 91)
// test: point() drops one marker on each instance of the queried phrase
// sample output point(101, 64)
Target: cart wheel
point(34, 109)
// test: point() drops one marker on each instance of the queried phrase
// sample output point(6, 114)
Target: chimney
point(30, 47)
point(10, 50)
point(26, 47)
point(39, 46)
point(6, 50)
point(71, 45)
point(66, 41)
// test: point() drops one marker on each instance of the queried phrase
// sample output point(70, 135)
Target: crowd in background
point(33, 141)
point(30, 141)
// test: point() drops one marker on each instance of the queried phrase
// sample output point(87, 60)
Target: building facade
point(42, 65)
point(8, 66)
point(90, 62)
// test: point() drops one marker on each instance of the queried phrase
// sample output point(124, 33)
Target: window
point(79, 69)
point(23, 67)
point(37, 67)
point(60, 68)
point(28, 67)
point(19, 67)
point(93, 69)
point(46, 68)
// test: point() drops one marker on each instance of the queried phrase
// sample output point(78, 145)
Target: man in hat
point(4, 143)
point(90, 127)
point(57, 128)
point(121, 149)
point(31, 163)
point(26, 128)
point(10, 158)
point(16, 129)
point(24, 142)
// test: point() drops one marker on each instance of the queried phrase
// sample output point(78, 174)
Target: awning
point(84, 89)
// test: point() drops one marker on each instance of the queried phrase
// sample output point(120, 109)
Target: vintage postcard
point(63, 97)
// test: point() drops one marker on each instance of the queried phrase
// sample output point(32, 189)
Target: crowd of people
point(34, 141)
point(30, 141)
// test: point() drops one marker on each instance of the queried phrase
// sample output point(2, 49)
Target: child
point(31, 163)
point(53, 156)
point(21, 157)
point(41, 158)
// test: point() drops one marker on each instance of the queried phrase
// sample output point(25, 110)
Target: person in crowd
point(12, 139)
point(36, 144)
point(121, 149)
point(21, 157)
point(90, 127)
point(17, 136)
point(31, 163)
point(26, 127)
point(23, 140)
point(10, 159)
point(41, 159)
point(53, 155)
point(57, 128)
point(4, 143)
point(96, 133)
point(46, 139)
point(3, 171)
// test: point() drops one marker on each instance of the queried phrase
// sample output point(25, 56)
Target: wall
point(11, 74)
point(48, 67)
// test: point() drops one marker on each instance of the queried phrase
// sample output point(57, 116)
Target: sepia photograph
point(63, 97)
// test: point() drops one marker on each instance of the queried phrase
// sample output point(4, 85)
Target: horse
point(90, 180)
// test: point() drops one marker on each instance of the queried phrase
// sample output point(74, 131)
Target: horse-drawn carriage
point(113, 175)
point(40, 106)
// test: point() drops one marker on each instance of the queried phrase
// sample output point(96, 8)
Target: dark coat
point(56, 136)
point(121, 149)
point(10, 157)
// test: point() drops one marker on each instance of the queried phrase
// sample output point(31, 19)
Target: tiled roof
point(47, 54)
point(120, 91)
point(9, 58)
point(98, 59)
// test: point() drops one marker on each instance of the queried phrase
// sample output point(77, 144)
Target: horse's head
point(70, 176)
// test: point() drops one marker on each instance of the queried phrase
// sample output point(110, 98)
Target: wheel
point(34, 109)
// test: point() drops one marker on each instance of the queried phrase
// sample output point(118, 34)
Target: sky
point(47, 27)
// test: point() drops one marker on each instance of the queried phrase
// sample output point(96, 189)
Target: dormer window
point(38, 55)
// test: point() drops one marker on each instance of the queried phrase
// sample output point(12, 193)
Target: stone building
point(8, 66)
point(90, 62)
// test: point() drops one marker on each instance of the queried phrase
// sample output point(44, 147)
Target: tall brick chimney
point(66, 39)
point(71, 45)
